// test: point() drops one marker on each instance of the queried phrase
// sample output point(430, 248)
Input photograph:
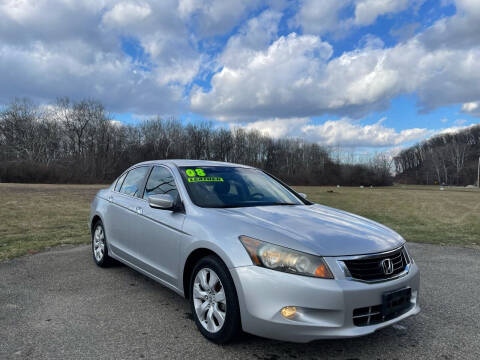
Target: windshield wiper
point(253, 205)
point(284, 203)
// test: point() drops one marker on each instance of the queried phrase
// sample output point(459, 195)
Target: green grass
point(419, 213)
point(35, 217)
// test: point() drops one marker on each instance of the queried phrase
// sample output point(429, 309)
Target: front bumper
point(324, 307)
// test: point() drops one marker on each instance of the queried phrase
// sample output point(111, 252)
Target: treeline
point(78, 142)
point(450, 159)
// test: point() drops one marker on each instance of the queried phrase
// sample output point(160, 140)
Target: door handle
point(110, 198)
point(139, 210)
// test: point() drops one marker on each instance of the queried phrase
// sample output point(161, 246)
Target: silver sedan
point(252, 254)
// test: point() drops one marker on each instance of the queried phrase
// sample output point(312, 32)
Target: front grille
point(370, 268)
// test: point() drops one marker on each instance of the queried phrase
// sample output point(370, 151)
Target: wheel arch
point(94, 221)
point(189, 265)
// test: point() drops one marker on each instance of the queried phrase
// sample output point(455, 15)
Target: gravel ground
point(59, 305)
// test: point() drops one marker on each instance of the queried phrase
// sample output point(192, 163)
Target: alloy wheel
point(98, 243)
point(209, 300)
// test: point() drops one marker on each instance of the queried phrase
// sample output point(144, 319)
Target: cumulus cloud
point(43, 74)
point(268, 81)
point(53, 48)
point(345, 132)
point(278, 128)
point(471, 108)
point(75, 48)
point(126, 13)
point(295, 76)
point(367, 11)
point(452, 130)
point(327, 16)
point(320, 17)
point(212, 17)
point(255, 35)
point(258, 79)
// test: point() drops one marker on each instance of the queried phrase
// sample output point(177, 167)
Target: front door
point(160, 231)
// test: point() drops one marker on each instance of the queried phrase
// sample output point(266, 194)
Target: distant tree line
point(450, 158)
point(77, 142)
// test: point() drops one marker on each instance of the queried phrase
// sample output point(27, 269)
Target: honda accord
point(252, 254)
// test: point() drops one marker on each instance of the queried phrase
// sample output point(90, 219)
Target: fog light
point(289, 311)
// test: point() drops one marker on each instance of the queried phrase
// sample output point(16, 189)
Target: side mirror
point(303, 195)
point(161, 201)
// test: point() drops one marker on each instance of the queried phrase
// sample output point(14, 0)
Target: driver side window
point(161, 181)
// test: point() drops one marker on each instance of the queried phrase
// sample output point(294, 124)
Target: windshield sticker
point(197, 172)
point(203, 179)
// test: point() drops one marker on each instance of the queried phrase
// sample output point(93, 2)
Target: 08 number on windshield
point(196, 172)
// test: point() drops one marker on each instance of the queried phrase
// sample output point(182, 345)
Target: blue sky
point(366, 75)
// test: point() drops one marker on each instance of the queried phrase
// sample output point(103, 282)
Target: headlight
point(283, 259)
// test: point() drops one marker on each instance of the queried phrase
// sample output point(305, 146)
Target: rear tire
point(214, 301)
point(99, 246)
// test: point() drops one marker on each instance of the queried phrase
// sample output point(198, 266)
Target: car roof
point(193, 163)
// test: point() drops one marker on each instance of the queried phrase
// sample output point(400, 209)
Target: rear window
point(119, 182)
point(134, 181)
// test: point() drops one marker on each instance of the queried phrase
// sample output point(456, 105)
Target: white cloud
point(451, 130)
point(51, 48)
point(471, 7)
point(295, 77)
point(255, 35)
point(267, 80)
point(278, 128)
point(74, 48)
point(116, 123)
point(320, 17)
point(471, 108)
point(327, 16)
point(367, 11)
point(213, 17)
point(347, 133)
point(50, 74)
point(126, 13)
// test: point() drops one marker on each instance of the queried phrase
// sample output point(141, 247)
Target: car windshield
point(222, 187)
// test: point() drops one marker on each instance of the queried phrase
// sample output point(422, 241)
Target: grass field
point(35, 217)
point(419, 213)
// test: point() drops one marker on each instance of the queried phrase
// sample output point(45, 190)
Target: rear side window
point(133, 182)
point(161, 182)
point(119, 182)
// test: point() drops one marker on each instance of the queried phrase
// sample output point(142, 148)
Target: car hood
point(317, 229)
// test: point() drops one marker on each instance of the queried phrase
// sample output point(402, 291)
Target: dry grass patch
point(35, 217)
point(418, 213)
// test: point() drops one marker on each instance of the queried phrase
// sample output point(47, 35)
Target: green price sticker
point(196, 172)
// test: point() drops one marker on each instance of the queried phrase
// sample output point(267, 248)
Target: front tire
point(213, 301)
point(99, 246)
